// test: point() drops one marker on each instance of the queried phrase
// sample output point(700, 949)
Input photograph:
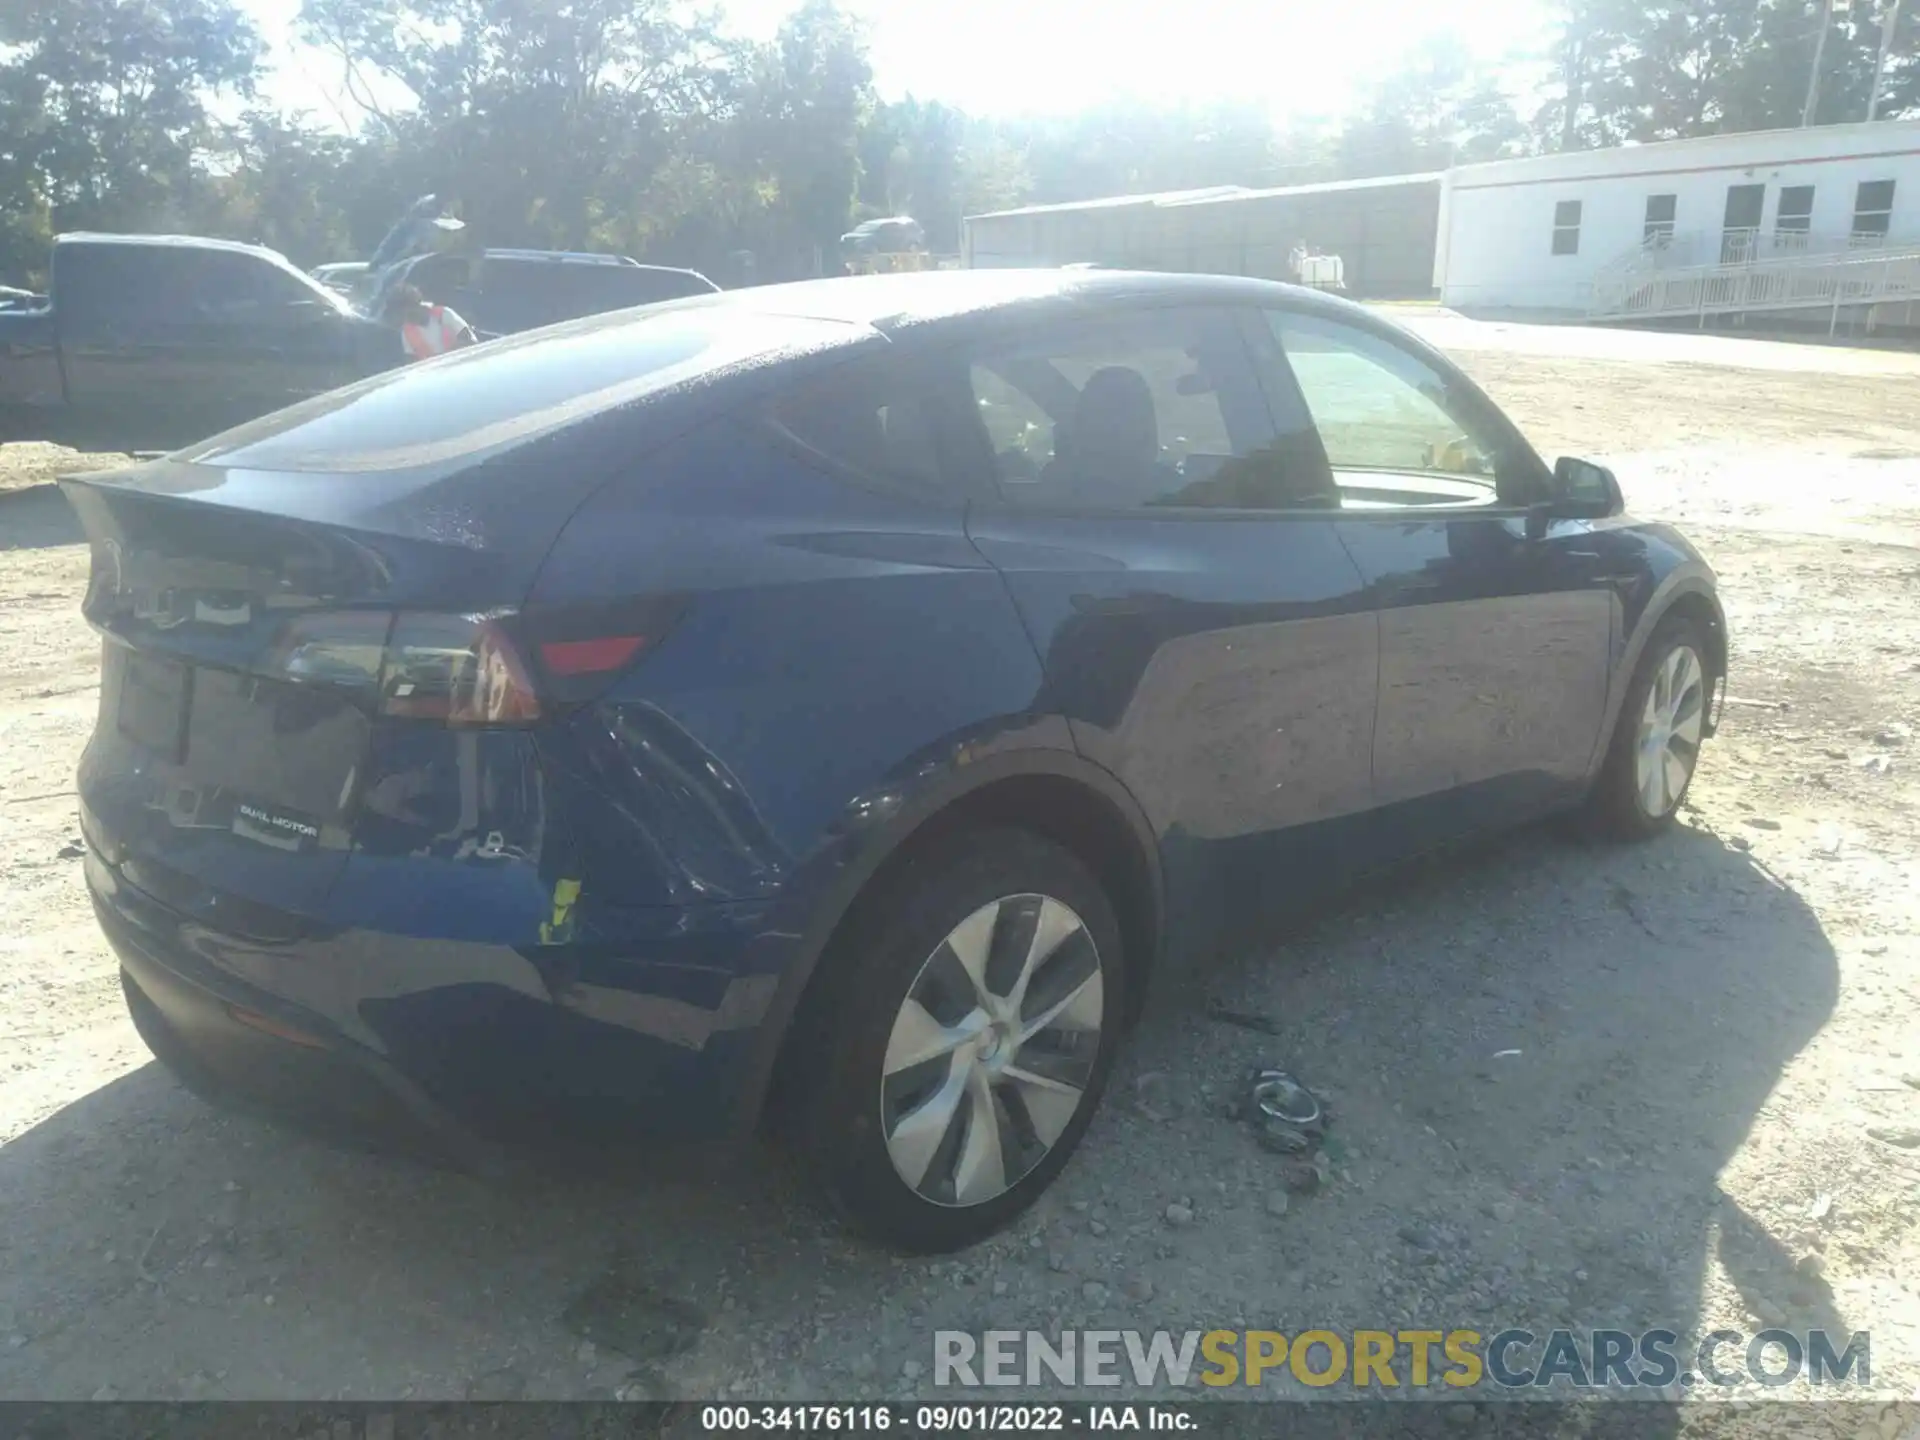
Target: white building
point(1535, 234)
point(1382, 229)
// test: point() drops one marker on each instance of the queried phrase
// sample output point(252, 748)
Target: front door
point(1741, 231)
point(1494, 645)
point(1209, 647)
point(141, 372)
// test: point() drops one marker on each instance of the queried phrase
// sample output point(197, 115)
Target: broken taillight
point(502, 668)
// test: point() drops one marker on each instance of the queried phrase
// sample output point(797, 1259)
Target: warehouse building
point(1581, 232)
point(1382, 229)
point(1763, 222)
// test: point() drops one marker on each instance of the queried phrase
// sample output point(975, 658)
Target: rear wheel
point(962, 1039)
point(1656, 740)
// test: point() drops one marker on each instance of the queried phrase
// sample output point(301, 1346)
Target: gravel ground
point(1673, 1085)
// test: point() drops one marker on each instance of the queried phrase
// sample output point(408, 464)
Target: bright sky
point(1008, 57)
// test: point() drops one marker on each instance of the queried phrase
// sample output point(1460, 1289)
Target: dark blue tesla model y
point(835, 709)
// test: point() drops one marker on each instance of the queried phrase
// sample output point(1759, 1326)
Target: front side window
point(1394, 433)
point(1162, 409)
point(1566, 228)
point(225, 284)
point(1873, 209)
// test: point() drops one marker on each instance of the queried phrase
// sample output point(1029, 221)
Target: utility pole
point(1880, 64)
point(1828, 8)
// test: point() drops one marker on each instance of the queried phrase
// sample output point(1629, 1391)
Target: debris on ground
point(1286, 1116)
point(1244, 1019)
point(634, 1319)
point(1153, 1096)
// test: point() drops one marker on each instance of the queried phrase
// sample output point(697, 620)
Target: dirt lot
point(1672, 1085)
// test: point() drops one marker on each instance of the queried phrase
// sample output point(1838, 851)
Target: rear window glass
point(871, 420)
point(487, 399)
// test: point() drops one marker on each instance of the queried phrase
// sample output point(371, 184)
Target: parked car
point(345, 277)
point(839, 707)
point(502, 292)
point(153, 340)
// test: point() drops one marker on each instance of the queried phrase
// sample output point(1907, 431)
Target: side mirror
point(1585, 490)
point(1582, 490)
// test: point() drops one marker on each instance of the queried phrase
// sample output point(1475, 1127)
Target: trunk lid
point(254, 588)
point(245, 615)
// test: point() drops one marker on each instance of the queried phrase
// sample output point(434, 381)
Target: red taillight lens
point(589, 657)
point(504, 668)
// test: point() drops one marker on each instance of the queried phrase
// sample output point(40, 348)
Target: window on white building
point(1659, 227)
point(1566, 228)
point(1794, 217)
point(1873, 209)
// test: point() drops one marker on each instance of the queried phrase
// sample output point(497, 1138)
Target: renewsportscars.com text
point(1511, 1359)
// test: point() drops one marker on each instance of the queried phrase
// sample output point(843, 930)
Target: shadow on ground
point(1654, 995)
point(37, 517)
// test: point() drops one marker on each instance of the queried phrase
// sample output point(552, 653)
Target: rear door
point(1494, 643)
point(1201, 626)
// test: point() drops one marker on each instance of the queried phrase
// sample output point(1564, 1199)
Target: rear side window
point(1158, 409)
point(480, 401)
point(875, 423)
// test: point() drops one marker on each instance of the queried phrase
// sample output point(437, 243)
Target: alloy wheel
point(992, 1050)
point(1667, 744)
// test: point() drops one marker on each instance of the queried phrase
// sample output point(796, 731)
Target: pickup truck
point(153, 341)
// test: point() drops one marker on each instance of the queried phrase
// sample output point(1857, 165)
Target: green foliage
point(103, 108)
point(1634, 70)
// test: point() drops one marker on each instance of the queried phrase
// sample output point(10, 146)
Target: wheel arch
point(1054, 793)
point(1700, 604)
point(1688, 593)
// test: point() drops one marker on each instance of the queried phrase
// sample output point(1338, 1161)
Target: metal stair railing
point(1853, 271)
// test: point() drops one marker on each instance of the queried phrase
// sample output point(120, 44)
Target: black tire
point(1616, 808)
point(865, 980)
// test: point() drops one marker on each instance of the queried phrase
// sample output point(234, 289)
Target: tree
point(1438, 108)
point(1636, 71)
point(547, 119)
point(800, 120)
point(993, 172)
point(104, 106)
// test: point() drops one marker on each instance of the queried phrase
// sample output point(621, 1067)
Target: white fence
point(1736, 271)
